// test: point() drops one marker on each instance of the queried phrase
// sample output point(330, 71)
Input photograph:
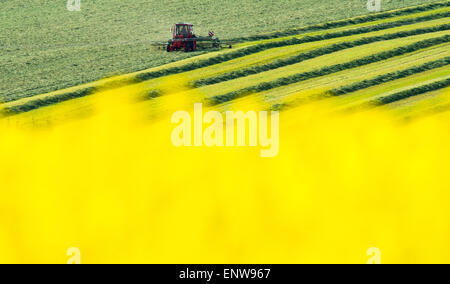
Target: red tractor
point(183, 38)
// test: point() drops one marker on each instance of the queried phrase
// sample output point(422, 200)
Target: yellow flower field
point(113, 186)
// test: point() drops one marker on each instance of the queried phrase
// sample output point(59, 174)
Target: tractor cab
point(183, 38)
point(183, 30)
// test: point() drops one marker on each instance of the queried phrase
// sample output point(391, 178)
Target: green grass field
point(45, 48)
point(393, 60)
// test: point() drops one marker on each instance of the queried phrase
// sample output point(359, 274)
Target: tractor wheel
point(169, 49)
point(189, 46)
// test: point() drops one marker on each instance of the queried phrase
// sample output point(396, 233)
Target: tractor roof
point(184, 24)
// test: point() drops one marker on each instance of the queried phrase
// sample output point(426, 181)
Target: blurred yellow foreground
point(114, 186)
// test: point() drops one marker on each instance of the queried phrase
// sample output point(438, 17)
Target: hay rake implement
point(184, 38)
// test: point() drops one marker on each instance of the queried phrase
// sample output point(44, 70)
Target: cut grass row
point(328, 70)
point(377, 95)
point(421, 105)
point(412, 103)
point(411, 92)
point(377, 22)
point(346, 22)
point(301, 92)
point(313, 54)
point(431, 62)
point(46, 101)
point(364, 98)
point(410, 75)
point(343, 90)
point(404, 90)
point(364, 84)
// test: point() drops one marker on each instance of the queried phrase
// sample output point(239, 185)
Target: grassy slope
point(45, 47)
point(278, 53)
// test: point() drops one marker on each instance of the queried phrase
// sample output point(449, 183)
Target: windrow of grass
point(327, 70)
point(416, 102)
point(429, 103)
point(46, 101)
point(346, 22)
point(410, 74)
point(364, 98)
point(420, 102)
point(313, 54)
point(372, 23)
point(343, 90)
point(293, 41)
point(412, 92)
point(367, 83)
point(303, 91)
